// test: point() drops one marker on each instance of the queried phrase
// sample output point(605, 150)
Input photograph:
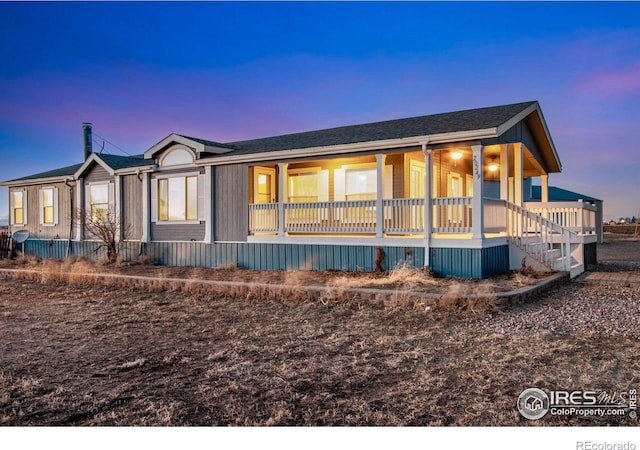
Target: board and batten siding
point(60, 230)
point(231, 202)
point(131, 197)
point(96, 173)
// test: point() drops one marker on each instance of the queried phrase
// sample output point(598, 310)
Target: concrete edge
point(372, 294)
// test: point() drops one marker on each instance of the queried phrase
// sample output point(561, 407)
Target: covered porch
point(383, 195)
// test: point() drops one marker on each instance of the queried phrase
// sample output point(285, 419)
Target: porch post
point(518, 164)
point(119, 210)
point(428, 170)
point(477, 220)
point(208, 205)
point(80, 210)
point(504, 172)
point(544, 188)
point(379, 190)
point(146, 209)
point(282, 185)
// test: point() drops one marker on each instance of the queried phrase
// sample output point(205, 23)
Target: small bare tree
point(104, 226)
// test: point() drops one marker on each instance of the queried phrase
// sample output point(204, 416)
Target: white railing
point(495, 217)
point(452, 214)
point(263, 218)
point(404, 216)
point(579, 217)
point(537, 235)
point(357, 216)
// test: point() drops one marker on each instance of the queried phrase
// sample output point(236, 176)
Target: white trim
point(337, 240)
point(169, 151)
point(440, 138)
point(155, 206)
point(93, 158)
point(435, 241)
point(208, 204)
point(146, 209)
point(197, 146)
point(179, 222)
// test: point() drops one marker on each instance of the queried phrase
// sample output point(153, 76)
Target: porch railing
point(536, 235)
point(579, 217)
point(452, 215)
point(357, 216)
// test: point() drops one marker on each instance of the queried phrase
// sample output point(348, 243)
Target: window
point(176, 157)
point(361, 184)
point(46, 205)
point(18, 215)
point(303, 186)
point(178, 198)
point(99, 201)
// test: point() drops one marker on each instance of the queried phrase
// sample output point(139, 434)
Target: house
point(340, 198)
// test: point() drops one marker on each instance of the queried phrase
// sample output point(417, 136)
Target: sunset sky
point(232, 71)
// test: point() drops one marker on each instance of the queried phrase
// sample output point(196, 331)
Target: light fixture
point(493, 165)
point(455, 156)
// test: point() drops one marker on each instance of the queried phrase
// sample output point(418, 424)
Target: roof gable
point(195, 144)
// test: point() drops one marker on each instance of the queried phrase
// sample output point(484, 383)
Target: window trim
point(12, 218)
point(42, 207)
point(156, 182)
point(88, 199)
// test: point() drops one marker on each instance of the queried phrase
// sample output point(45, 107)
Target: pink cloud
point(612, 83)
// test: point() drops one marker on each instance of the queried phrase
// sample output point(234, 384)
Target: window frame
point(23, 208)
point(163, 217)
point(91, 204)
point(44, 207)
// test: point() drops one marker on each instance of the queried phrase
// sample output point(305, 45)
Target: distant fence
point(5, 245)
point(620, 229)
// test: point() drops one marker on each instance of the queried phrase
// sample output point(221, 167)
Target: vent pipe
point(88, 140)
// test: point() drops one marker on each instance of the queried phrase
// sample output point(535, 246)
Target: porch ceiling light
point(456, 155)
point(493, 165)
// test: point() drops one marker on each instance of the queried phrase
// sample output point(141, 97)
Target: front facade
point(445, 191)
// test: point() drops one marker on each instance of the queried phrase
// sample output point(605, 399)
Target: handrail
point(536, 235)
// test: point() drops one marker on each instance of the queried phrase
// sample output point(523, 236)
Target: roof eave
point(338, 149)
point(34, 181)
point(94, 157)
point(534, 107)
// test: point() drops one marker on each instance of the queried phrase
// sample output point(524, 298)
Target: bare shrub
point(454, 298)
point(105, 227)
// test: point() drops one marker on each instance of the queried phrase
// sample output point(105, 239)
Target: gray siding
point(231, 202)
point(96, 173)
point(181, 232)
point(37, 231)
point(131, 197)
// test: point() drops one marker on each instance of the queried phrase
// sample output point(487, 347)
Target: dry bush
point(520, 279)
point(401, 275)
point(454, 298)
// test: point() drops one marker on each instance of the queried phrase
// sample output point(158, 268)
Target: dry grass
point(94, 355)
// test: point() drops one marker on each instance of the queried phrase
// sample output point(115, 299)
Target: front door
point(264, 186)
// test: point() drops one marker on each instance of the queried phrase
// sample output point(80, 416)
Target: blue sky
point(229, 71)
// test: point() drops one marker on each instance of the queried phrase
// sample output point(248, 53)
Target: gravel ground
point(592, 308)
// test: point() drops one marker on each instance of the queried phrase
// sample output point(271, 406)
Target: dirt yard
point(92, 355)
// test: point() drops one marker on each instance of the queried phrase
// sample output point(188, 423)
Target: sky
point(241, 70)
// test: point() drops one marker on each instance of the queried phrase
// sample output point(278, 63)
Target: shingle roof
point(61, 172)
point(557, 194)
point(123, 162)
point(473, 119)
